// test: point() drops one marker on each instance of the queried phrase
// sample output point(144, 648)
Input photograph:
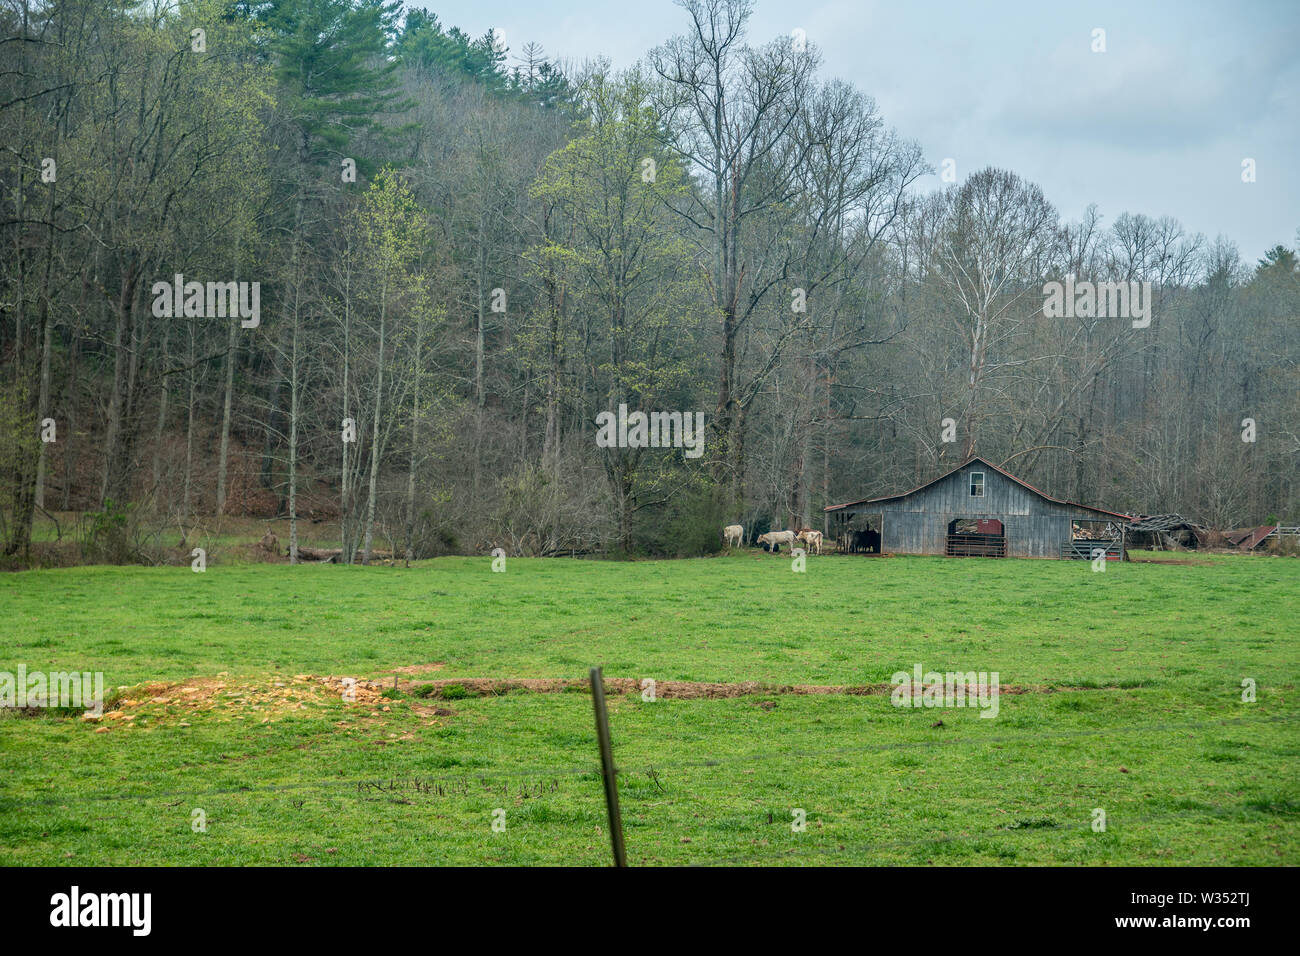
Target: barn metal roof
point(988, 464)
point(1168, 522)
point(1248, 538)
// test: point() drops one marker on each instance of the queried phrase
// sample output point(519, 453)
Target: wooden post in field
point(607, 767)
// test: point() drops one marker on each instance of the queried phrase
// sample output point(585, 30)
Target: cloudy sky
point(1159, 123)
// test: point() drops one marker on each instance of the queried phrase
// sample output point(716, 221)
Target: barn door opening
point(976, 538)
point(859, 533)
point(866, 536)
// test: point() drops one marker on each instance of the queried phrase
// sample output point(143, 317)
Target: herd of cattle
point(772, 540)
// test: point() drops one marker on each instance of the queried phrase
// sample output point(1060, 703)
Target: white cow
point(773, 540)
point(813, 539)
point(734, 534)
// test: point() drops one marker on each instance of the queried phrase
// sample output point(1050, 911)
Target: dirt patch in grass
point(251, 699)
point(1183, 561)
point(427, 710)
point(419, 668)
point(255, 700)
point(462, 687)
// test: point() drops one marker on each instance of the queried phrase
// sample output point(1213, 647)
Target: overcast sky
point(1158, 124)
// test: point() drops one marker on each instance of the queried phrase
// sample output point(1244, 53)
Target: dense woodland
point(466, 252)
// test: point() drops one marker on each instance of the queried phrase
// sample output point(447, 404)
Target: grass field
point(1132, 704)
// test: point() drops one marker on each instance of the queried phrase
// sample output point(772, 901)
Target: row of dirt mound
point(259, 699)
point(459, 687)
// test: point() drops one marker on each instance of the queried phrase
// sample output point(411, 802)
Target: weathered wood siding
point(918, 523)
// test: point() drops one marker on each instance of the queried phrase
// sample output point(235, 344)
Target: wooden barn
point(977, 509)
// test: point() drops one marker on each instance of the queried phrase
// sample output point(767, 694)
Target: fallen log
point(328, 555)
point(332, 555)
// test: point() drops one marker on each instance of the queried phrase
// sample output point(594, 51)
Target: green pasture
point(1132, 705)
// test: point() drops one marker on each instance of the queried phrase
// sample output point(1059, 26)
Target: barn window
point(977, 484)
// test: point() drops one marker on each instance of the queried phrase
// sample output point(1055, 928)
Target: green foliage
point(424, 43)
point(628, 280)
point(112, 535)
point(1279, 261)
point(692, 522)
point(331, 60)
point(452, 54)
point(393, 228)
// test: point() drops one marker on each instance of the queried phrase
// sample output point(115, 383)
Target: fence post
point(607, 767)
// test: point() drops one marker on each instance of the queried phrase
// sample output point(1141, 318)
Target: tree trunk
point(187, 499)
point(43, 406)
point(119, 440)
point(232, 343)
point(345, 491)
point(70, 448)
point(160, 425)
point(415, 440)
point(374, 438)
point(293, 435)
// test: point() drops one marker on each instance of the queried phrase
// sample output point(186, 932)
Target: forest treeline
point(461, 254)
